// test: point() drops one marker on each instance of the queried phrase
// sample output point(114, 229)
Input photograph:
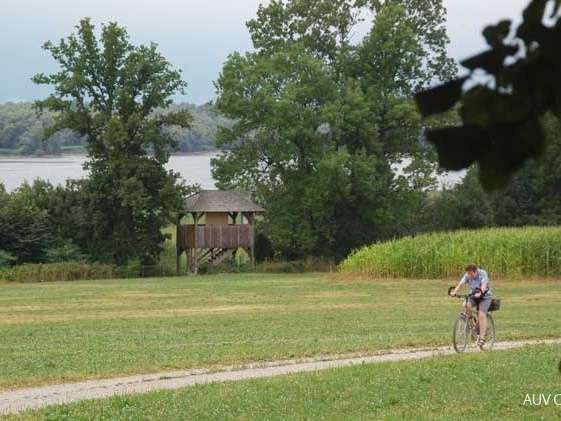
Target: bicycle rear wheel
point(490, 334)
point(460, 333)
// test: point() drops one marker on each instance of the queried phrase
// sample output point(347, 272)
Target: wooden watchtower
point(223, 222)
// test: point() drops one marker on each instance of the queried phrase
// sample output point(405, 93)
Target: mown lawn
point(61, 332)
point(493, 385)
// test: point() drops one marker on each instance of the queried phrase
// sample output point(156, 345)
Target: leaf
point(532, 26)
point(484, 107)
point(495, 34)
point(501, 150)
point(491, 61)
point(440, 98)
point(535, 10)
point(510, 148)
point(458, 147)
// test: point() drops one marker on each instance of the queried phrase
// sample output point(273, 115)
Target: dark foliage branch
point(501, 116)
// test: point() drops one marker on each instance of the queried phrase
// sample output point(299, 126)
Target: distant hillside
point(21, 131)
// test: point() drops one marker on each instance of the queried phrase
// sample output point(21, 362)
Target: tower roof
point(220, 201)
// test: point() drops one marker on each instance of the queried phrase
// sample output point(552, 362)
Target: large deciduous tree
point(107, 89)
point(323, 109)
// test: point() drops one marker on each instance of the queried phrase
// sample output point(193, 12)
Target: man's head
point(471, 270)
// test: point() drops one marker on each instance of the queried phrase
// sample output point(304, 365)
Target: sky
point(196, 36)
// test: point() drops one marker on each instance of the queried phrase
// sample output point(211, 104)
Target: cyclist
point(480, 295)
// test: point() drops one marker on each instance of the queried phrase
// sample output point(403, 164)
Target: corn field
point(503, 252)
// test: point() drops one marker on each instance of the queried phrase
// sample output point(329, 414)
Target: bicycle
point(466, 330)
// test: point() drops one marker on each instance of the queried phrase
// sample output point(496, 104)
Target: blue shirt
point(480, 279)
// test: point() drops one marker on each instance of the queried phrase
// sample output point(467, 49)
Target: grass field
point(68, 331)
point(494, 385)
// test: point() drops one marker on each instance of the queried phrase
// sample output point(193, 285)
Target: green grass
point(510, 252)
point(60, 332)
point(474, 386)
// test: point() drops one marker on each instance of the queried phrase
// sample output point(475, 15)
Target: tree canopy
point(107, 90)
point(321, 116)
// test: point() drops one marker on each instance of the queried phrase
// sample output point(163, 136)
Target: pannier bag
point(495, 304)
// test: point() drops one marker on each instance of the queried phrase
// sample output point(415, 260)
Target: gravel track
point(22, 399)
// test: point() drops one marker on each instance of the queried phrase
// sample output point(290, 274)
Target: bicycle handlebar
point(457, 295)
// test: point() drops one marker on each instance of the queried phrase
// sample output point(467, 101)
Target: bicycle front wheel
point(461, 333)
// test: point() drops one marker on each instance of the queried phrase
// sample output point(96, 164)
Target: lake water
point(193, 168)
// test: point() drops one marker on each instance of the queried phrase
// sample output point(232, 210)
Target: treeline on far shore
point(21, 131)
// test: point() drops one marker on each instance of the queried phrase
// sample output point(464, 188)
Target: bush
point(230, 265)
point(6, 259)
point(66, 271)
point(310, 264)
point(131, 270)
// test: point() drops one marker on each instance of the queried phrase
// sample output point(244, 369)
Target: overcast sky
point(196, 36)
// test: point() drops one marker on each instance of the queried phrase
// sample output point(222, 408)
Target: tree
point(21, 130)
point(502, 115)
point(25, 232)
point(107, 90)
point(464, 206)
point(533, 196)
point(321, 118)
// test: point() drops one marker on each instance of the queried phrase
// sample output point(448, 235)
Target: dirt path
point(19, 400)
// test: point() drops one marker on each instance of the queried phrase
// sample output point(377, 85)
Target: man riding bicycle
point(479, 296)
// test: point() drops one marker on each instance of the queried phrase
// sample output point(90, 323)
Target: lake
point(193, 168)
